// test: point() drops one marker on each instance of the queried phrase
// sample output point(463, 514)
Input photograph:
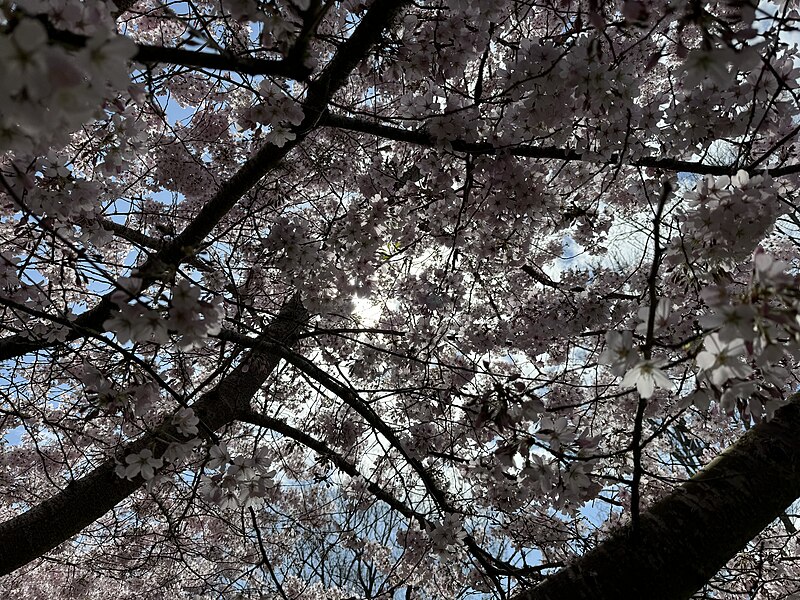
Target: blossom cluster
point(751, 339)
point(105, 395)
point(447, 535)
point(140, 464)
point(239, 480)
point(191, 318)
point(745, 343)
point(146, 464)
point(547, 82)
point(724, 218)
point(645, 374)
point(47, 90)
point(277, 110)
point(554, 465)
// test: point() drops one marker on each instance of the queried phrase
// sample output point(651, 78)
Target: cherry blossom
point(734, 322)
point(389, 299)
point(661, 316)
point(646, 376)
point(720, 360)
point(185, 421)
point(447, 535)
point(619, 352)
point(141, 464)
point(104, 59)
point(557, 434)
point(186, 312)
point(218, 456)
point(767, 271)
point(23, 58)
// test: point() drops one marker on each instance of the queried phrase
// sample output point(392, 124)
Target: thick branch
point(122, 6)
point(55, 520)
point(218, 62)
point(687, 537)
point(143, 240)
point(148, 54)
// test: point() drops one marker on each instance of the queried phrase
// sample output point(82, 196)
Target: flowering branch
point(423, 138)
point(149, 54)
point(380, 16)
point(638, 423)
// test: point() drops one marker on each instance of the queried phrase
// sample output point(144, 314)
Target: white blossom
point(647, 376)
point(142, 463)
point(721, 359)
point(619, 352)
point(185, 421)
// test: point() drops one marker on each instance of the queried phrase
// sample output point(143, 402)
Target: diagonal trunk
point(688, 536)
point(50, 523)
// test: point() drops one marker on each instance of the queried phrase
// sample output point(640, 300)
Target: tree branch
point(381, 15)
point(423, 138)
point(351, 398)
point(219, 62)
point(279, 426)
point(341, 463)
point(148, 54)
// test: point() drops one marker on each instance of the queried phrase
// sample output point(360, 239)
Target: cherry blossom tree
point(384, 299)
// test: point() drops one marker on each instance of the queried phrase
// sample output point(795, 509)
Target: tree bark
point(55, 520)
point(688, 536)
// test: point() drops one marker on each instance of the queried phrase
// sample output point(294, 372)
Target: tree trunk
point(55, 520)
point(688, 536)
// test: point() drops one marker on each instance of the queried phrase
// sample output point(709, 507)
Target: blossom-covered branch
point(680, 545)
point(184, 245)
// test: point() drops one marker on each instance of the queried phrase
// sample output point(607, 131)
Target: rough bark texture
point(686, 537)
point(55, 520)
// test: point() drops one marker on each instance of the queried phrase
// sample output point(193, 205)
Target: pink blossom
point(721, 359)
point(141, 464)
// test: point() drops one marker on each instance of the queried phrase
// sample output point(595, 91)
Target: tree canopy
point(384, 299)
